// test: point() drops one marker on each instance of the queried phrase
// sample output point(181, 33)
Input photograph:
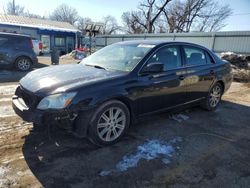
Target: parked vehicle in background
point(16, 51)
point(37, 47)
point(101, 96)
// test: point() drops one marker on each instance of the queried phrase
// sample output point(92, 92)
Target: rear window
point(22, 42)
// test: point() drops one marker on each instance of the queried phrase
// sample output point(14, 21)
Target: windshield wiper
point(96, 66)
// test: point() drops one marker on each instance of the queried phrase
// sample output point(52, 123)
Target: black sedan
point(100, 97)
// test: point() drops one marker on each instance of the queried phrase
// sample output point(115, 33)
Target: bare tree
point(14, 9)
point(65, 13)
point(131, 24)
point(81, 23)
point(31, 15)
point(110, 25)
point(146, 16)
point(18, 10)
point(201, 15)
point(213, 19)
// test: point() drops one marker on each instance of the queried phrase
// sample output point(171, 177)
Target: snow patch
point(179, 117)
point(6, 111)
point(3, 172)
point(227, 53)
point(150, 150)
point(7, 89)
point(5, 99)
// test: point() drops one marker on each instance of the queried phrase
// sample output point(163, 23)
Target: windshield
point(121, 57)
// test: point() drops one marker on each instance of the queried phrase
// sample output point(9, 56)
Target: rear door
point(200, 72)
point(3, 50)
point(163, 90)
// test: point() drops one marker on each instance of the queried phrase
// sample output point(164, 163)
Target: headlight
point(57, 101)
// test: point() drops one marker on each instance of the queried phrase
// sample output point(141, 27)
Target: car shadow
point(60, 160)
point(10, 75)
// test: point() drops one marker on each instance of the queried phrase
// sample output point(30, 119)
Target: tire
point(213, 98)
point(23, 64)
point(105, 130)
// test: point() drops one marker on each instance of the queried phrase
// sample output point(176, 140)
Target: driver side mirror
point(155, 67)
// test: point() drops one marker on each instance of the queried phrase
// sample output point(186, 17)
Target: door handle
point(211, 71)
point(181, 77)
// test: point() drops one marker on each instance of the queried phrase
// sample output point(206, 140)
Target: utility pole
point(13, 8)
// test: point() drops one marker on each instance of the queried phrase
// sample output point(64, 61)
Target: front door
point(163, 90)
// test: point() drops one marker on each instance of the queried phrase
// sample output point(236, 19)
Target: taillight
point(31, 44)
point(40, 46)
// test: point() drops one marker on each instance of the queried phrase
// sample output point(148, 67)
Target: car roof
point(159, 42)
point(14, 34)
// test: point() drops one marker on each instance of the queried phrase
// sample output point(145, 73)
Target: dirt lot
point(7, 76)
point(207, 149)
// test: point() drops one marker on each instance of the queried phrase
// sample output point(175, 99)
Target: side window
point(194, 56)
point(209, 59)
point(169, 56)
point(3, 41)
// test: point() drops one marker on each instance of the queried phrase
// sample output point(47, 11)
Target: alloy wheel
point(23, 64)
point(215, 96)
point(111, 124)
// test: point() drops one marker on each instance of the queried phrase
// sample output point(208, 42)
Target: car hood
point(64, 77)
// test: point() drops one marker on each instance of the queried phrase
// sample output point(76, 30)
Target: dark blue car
point(16, 51)
point(103, 95)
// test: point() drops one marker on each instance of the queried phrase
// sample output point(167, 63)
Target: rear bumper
point(34, 60)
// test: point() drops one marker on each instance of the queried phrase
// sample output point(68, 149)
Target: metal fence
point(233, 41)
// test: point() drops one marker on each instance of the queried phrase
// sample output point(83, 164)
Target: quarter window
point(169, 56)
point(194, 56)
point(209, 59)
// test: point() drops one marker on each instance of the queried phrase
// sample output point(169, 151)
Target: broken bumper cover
point(37, 116)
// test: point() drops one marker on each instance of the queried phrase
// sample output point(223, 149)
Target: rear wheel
point(109, 123)
point(23, 64)
point(214, 97)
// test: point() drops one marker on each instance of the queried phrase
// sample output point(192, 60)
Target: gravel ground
point(202, 149)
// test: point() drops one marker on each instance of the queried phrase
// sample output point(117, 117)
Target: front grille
point(29, 98)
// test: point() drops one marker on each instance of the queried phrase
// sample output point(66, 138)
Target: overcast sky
point(96, 9)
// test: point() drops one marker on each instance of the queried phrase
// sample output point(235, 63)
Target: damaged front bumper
point(41, 116)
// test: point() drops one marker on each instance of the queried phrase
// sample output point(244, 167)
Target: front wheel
point(109, 123)
point(214, 97)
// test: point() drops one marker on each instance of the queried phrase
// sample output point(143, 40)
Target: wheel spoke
point(111, 113)
point(122, 118)
point(119, 126)
point(105, 130)
point(108, 135)
point(102, 125)
point(115, 133)
point(105, 117)
point(117, 113)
